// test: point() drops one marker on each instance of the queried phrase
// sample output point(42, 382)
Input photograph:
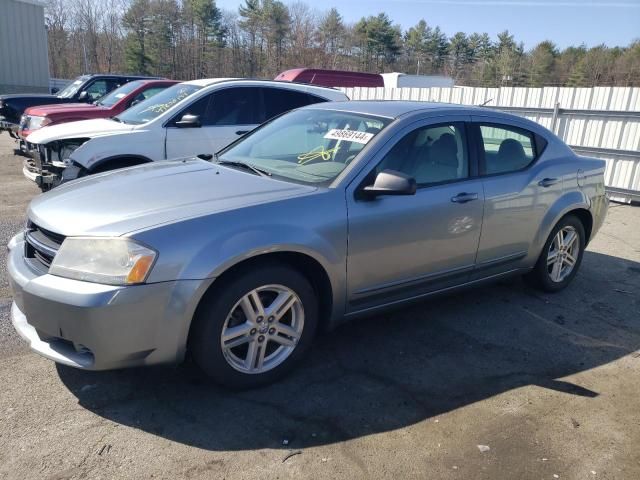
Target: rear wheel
point(256, 327)
point(561, 256)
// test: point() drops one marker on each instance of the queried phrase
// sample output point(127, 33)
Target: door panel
point(403, 246)
point(514, 201)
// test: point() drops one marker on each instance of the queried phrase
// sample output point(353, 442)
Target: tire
point(555, 276)
point(234, 306)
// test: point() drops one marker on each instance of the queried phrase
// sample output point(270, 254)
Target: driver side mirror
point(54, 90)
point(189, 121)
point(391, 182)
point(84, 96)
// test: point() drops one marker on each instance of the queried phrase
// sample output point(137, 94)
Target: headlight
point(112, 261)
point(38, 122)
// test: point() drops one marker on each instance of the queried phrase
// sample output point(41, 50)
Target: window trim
point(480, 150)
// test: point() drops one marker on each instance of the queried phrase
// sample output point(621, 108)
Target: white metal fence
point(601, 122)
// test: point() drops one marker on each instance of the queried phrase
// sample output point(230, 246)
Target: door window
point(430, 154)
point(506, 149)
point(100, 88)
point(198, 108)
point(234, 106)
point(280, 100)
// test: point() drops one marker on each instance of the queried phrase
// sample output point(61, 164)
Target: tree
point(251, 19)
point(416, 43)
point(460, 56)
point(542, 61)
point(379, 41)
point(137, 21)
point(331, 32)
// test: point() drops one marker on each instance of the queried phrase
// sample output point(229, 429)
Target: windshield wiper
point(116, 119)
point(245, 166)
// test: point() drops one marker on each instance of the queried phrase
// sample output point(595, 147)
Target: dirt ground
point(501, 382)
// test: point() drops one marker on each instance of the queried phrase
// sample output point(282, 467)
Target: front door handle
point(464, 197)
point(547, 182)
point(242, 132)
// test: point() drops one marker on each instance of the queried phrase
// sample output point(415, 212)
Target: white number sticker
point(349, 135)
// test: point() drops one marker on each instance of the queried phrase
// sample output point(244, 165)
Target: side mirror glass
point(189, 121)
point(391, 182)
point(84, 96)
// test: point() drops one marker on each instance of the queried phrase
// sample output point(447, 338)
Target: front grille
point(41, 246)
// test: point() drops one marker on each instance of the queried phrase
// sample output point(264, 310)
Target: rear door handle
point(242, 132)
point(547, 182)
point(464, 197)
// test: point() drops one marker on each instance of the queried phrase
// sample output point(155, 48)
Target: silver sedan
point(326, 213)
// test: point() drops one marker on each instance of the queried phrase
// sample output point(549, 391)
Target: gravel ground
point(497, 382)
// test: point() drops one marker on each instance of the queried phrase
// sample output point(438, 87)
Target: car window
point(143, 95)
point(98, 89)
point(152, 107)
point(198, 108)
point(430, 154)
point(234, 106)
point(506, 149)
point(310, 146)
point(280, 100)
point(118, 94)
point(71, 89)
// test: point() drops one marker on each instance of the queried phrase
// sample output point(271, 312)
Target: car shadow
point(391, 371)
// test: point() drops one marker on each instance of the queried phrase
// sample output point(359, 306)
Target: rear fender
point(566, 203)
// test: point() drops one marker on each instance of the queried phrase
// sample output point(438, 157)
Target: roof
point(394, 108)
point(204, 82)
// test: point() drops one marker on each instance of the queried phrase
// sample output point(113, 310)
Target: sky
point(565, 22)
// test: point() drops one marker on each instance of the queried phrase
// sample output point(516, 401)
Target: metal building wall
point(24, 62)
point(601, 122)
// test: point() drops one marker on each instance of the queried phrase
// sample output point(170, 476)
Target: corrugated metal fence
point(601, 122)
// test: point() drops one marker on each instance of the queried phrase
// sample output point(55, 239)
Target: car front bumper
point(97, 327)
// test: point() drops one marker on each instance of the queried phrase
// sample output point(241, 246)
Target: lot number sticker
point(349, 135)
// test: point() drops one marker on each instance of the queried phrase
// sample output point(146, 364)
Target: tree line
point(190, 39)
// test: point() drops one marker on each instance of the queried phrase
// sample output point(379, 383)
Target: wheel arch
point(128, 160)
point(310, 267)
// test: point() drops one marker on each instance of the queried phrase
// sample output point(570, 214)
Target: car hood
point(64, 107)
point(116, 203)
point(81, 129)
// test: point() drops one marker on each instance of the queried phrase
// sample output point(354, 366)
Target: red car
point(331, 78)
point(110, 105)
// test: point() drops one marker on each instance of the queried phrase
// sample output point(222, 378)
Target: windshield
point(310, 146)
point(71, 89)
point(152, 107)
point(110, 99)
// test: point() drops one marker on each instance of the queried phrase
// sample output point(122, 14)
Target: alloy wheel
point(563, 254)
point(262, 329)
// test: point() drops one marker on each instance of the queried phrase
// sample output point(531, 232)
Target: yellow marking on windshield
point(318, 153)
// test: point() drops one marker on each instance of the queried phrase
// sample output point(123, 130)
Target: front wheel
point(256, 327)
point(561, 256)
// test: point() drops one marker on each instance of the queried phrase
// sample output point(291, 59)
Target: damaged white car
point(192, 118)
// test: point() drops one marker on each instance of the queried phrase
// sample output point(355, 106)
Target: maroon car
point(110, 105)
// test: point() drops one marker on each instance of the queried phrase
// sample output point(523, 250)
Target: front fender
point(118, 145)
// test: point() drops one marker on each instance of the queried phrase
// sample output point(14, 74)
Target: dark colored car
point(108, 106)
point(331, 78)
point(85, 88)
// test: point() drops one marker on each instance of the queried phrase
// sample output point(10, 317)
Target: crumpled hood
point(81, 129)
point(116, 203)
